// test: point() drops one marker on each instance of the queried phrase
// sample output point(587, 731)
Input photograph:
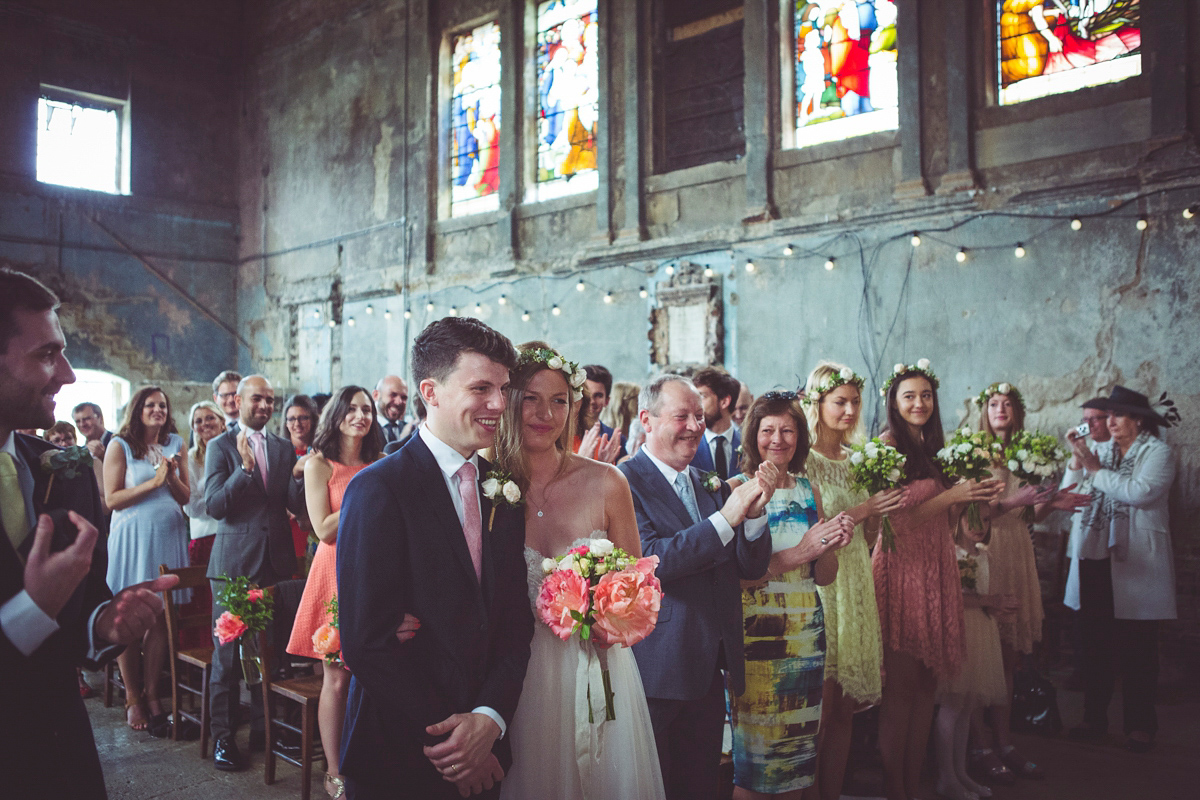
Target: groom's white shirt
point(450, 461)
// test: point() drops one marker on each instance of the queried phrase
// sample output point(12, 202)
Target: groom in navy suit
point(417, 537)
point(707, 542)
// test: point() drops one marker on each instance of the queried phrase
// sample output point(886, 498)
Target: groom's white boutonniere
point(711, 481)
point(499, 487)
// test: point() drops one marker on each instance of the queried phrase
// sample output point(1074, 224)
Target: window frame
point(62, 94)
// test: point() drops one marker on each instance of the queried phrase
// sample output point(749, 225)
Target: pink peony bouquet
point(604, 595)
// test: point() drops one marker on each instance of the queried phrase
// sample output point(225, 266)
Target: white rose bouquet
point(970, 455)
point(1034, 457)
point(876, 466)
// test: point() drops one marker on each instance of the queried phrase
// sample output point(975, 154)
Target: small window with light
point(83, 141)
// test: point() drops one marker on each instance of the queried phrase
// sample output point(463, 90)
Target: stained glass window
point(845, 69)
point(1055, 46)
point(568, 77)
point(475, 120)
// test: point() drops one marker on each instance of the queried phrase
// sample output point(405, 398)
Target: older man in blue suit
point(708, 539)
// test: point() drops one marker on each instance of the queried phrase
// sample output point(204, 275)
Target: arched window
point(475, 120)
point(1047, 48)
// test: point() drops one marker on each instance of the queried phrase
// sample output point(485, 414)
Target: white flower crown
point(575, 374)
point(922, 366)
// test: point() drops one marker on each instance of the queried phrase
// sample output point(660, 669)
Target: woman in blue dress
point(145, 485)
point(775, 721)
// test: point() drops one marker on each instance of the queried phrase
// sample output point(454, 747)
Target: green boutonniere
point(711, 481)
point(68, 462)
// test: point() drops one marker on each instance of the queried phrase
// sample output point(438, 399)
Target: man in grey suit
point(249, 488)
point(707, 542)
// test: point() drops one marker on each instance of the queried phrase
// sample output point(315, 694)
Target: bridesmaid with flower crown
point(853, 649)
point(917, 585)
point(346, 442)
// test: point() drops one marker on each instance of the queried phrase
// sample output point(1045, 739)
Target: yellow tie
point(12, 502)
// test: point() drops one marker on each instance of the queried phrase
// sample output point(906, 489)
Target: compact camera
point(1083, 429)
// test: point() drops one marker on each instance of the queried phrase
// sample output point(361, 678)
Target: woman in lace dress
point(557, 753)
point(853, 649)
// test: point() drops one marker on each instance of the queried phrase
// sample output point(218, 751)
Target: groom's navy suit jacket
point(401, 549)
point(701, 582)
point(46, 746)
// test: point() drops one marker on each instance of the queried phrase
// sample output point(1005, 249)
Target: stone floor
point(139, 767)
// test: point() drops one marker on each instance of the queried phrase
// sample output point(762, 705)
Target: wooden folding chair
point(185, 662)
point(305, 691)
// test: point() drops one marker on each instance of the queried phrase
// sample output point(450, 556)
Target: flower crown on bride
point(922, 366)
point(575, 374)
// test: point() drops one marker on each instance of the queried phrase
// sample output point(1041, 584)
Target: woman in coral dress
point(853, 648)
point(347, 440)
point(917, 585)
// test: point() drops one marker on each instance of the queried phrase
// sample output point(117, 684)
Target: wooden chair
point(113, 685)
point(185, 662)
point(304, 691)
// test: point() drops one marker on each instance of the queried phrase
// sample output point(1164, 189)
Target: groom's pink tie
point(468, 489)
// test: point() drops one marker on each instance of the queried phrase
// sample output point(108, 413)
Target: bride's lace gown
point(557, 753)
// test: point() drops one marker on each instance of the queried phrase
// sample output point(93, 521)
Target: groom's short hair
point(436, 350)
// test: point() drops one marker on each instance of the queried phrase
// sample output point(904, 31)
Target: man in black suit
point(391, 401)
point(56, 612)
point(249, 488)
point(719, 452)
point(427, 718)
point(707, 541)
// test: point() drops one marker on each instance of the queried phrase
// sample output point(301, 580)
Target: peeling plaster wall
point(339, 184)
point(147, 280)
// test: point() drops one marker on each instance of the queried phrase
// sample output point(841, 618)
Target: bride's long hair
point(510, 455)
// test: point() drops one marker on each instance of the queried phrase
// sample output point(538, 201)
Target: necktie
point(684, 489)
point(258, 443)
point(12, 502)
point(391, 431)
point(719, 457)
point(468, 490)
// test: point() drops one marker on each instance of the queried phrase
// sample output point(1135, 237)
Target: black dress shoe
point(226, 756)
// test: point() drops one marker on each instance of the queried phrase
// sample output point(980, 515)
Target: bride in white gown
point(557, 753)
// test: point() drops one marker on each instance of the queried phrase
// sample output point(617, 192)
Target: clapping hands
point(600, 446)
point(749, 500)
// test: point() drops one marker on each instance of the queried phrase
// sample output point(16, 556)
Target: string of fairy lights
point(829, 254)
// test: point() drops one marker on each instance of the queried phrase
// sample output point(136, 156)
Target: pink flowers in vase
point(229, 627)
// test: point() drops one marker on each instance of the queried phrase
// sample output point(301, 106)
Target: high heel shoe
point(335, 786)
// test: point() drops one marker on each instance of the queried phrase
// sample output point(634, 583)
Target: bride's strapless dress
point(557, 754)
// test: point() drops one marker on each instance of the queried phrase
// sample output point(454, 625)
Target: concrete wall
point(147, 279)
point(339, 182)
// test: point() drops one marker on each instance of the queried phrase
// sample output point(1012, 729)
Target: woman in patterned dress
point(775, 721)
point(853, 648)
point(347, 440)
point(917, 585)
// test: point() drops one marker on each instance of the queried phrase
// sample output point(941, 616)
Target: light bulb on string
point(1188, 213)
point(370, 310)
point(408, 313)
point(1020, 251)
point(387, 314)
point(708, 272)
point(915, 241)
point(556, 311)
point(316, 313)
point(478, 308)
point(579, 287)
point(429, 306)
point(525, 316)
point(1076, 224)
point(350, 322)
point(1142, 224)
point(608, 298)
point(502, 300)
point(961, 255)
point(642, 293)
point(749, 265)
point(670, 269)
point(332, 323)
point(830, 263)
point(454, 311)
point(788, 250)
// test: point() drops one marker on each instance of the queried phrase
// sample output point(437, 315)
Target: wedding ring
point(823, 541)
point(455, 768)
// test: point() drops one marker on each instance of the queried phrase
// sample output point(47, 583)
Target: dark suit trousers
point(401, 790)
point(223, 695)
point(1112, 646)
point(52, 754)
point(688, 735)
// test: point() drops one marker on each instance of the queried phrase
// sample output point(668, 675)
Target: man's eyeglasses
point(226, 395)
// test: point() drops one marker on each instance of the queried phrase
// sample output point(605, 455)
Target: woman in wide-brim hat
point(1126, 570)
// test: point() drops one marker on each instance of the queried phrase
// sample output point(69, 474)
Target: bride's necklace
point(538, 506)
